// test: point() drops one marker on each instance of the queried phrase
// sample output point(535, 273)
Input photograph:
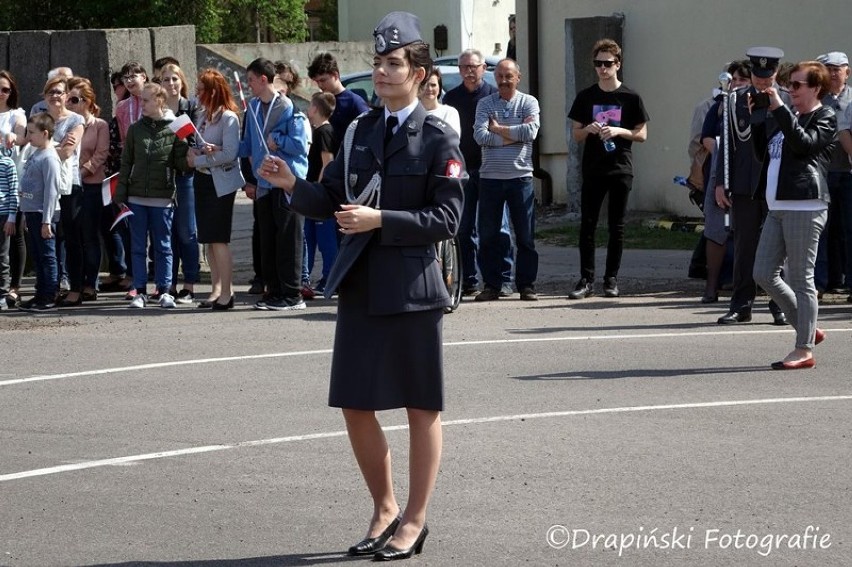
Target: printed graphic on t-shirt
point(607, 114)
point(775, 145)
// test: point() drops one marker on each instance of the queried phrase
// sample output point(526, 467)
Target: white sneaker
point(138, 302)
point(167, 301)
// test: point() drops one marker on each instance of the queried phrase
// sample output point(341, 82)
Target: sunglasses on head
point(5, 90)
point(607, 64)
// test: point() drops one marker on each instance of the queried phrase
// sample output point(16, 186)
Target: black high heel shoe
point(390, 553)
point(370, 545)
point(223, 306)
point(207, 303)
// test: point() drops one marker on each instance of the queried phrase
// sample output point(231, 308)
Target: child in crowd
point(39, 189)
point(146, 183)
point(8, 215)
point(322, 233)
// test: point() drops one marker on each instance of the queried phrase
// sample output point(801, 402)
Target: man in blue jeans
point(505, 126)
point(464, 99)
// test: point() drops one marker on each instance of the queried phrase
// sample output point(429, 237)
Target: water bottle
point(608, 145)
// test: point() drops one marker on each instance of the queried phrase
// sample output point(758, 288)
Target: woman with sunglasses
point(184, 227)
point(794, 178)
point(94, 149)
point(67, 136)
point(13, 129)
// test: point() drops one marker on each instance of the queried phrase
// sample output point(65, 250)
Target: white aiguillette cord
point(374, 186)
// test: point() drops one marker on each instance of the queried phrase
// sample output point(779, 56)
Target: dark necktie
point(391, 123)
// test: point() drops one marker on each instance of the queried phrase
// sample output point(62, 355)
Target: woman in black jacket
point(795, 161)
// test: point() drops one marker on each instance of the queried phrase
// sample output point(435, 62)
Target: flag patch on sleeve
point(454, 169)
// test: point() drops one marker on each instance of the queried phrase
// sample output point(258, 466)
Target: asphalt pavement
point(608, 431)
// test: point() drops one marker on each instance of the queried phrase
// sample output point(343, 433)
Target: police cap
point(396, 30)
point(764, 60)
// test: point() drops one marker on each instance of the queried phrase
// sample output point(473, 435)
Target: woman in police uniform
point(400, 194)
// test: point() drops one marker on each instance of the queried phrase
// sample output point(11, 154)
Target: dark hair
point(133, 67)
point(44, 122)
point(325, 103)
point(323, 63)
point(418, 56)
point(87, 93)
point(742, 68)
point(163, 61)
point(262, 67)
point(283, 67)
point(436, 73)
point(115, 79)
point(817, 75)
point(782, 75)
point(608, 46)
point(12, 101)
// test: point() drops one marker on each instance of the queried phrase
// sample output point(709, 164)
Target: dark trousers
point(747, 217)
point(255, 244)
point(592, 195)
point(834, 258)
point(4, 259)
point(281, 245)
point(116, 242)
point(80, 218)
point(17, 253)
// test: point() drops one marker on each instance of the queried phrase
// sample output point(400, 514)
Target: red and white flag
point(108, 188)
point(182, 126)
point(122, 214)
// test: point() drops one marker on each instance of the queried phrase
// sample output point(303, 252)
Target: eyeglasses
point(127, 78)
point(55, 92)
point(607, 64)
point(470, 67)
point(796, 85)
point(74, 100)
point(5, 90)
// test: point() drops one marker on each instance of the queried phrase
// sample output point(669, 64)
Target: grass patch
point(636, 236)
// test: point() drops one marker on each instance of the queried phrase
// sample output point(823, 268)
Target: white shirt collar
point(402, 114)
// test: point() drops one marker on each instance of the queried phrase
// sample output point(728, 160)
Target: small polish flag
point(182, 126)
point(454, 169)
point(108, 188)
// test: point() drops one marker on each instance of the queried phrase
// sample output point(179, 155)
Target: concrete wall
point(674, 52)
point(470, 23)
point(29, 55)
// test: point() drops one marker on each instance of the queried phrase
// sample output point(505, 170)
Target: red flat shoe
point(781, 365)
point(819, 336)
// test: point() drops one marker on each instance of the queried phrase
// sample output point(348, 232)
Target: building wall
point(470, 23)
point(674, 51)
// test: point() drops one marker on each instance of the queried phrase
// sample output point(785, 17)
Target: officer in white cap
point(747, 107)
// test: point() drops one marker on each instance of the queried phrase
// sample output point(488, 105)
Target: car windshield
point(361, 83)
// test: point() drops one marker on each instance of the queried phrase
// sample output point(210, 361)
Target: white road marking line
point(191, 362)
point(471, 421)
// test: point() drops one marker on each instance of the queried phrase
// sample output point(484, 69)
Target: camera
point(759, 100)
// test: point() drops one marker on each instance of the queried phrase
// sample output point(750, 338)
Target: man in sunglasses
point(747, 206)
point(608, 117)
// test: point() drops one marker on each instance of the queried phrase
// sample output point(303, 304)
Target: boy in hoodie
point(146, 185)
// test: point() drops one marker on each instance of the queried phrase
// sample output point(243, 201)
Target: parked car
point(453, 61)
point(361, 83)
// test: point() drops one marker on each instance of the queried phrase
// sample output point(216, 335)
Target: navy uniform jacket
point(744, 167)
point(421, 204)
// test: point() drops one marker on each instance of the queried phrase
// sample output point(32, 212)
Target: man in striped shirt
point(506, 125)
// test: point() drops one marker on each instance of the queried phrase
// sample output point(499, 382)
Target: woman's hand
point(9, 140)
point(358, 218)
point(190, 157)
point(774, 98)
point(9, 228)
point(722, 200)
point(276, 171)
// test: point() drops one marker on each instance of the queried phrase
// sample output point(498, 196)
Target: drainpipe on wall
point(532, 35)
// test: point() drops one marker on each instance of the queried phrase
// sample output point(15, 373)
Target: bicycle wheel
point(452, 272)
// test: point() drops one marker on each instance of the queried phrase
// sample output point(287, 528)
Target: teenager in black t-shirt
point(608, 117)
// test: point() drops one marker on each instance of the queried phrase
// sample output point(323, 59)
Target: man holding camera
point(747, 211)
